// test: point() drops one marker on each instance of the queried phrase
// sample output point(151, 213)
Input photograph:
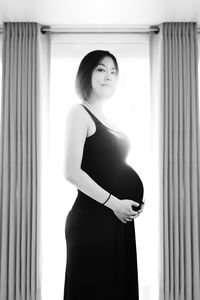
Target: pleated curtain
point(24, 82)
point(175, 104)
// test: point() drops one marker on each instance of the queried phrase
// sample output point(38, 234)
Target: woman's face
point(104, 79)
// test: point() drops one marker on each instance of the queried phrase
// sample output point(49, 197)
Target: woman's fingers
point(130, 218)
point(143, 201)
point(142, 208)
point(135, 203)
point(123, 221)
point(135, 216)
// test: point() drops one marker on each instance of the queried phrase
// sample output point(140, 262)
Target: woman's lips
point(106, 85)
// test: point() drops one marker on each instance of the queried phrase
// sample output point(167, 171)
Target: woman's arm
point(77, 125)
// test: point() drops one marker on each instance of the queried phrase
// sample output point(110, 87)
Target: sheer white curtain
point(133, 114)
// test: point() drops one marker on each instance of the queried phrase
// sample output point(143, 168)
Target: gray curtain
point(22, 86)
point(179, 158)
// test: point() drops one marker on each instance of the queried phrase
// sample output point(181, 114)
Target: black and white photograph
point(99, 150)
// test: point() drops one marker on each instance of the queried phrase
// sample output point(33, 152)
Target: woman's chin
point(107, 95)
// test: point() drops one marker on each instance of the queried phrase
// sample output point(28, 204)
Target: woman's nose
point(107, 76)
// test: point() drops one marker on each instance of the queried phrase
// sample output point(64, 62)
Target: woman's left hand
point(142, 207)
point(139, 212)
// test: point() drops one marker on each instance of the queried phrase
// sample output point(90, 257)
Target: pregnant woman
point(99, 230)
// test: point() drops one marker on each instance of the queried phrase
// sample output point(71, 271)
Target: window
point(132, 109)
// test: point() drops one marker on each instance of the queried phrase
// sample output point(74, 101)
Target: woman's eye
point(103, 70)
point(100, 69)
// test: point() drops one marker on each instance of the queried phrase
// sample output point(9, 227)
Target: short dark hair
point(83, 84)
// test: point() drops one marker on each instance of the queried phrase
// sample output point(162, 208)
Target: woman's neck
point(100, 116)
point(96, 106)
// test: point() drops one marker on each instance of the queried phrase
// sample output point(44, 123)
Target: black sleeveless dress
point(101, 250)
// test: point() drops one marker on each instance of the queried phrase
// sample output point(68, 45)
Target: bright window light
point(129, 109)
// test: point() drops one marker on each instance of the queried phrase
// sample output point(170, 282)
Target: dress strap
point(95, 119)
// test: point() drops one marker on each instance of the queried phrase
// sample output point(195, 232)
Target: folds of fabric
point(180, 160)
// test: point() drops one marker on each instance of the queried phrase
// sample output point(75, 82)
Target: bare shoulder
point(76, 113)
point(76, 109)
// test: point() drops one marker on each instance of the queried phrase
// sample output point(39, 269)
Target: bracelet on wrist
point(107, 199)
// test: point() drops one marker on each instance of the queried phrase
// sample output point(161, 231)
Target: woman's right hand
point(124, 210)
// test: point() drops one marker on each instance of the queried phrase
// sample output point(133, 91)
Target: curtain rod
point(59, 29)
point(99, 29)
point(115, 29)
point(136, 29)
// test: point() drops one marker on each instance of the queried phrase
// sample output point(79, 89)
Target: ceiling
point(99, 12)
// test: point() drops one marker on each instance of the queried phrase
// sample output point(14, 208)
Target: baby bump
point(129, 185)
